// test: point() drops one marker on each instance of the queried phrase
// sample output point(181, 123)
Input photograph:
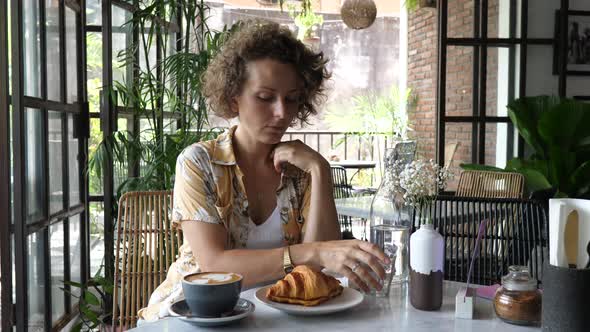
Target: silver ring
point(356, 266)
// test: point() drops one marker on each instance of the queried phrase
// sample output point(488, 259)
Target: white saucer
point(181, 310)
point(348, 299)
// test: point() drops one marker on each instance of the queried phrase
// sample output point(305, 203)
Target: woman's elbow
point(210, 262)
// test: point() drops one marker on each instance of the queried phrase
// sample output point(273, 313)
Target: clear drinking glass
point(390, 224)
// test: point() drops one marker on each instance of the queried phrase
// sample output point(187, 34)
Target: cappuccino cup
point(211, 294)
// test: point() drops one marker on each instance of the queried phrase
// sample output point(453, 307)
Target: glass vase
point(390, 221)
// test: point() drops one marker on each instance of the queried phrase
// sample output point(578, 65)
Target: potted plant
point(306, 21)
point(556, 131)
point(93, 298)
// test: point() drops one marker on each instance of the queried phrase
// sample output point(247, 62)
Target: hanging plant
point(305, 20)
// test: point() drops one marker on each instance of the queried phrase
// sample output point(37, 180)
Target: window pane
point(120, 16)
point(94, 69)
point(34, 179)
point(122, 39)
point(93, 12)
point(499, 18)
point(96, 214)
point(53, 55)
point(71, 57)
point(13, 268)
point(75, 254)
point(459, 83)
point(31, 48)
point(56, 249)
point(73, 162)
point(36, 281)
point(94, 181)
point(56, 195)
point(497, 87)
point(457, 134)
point(11, 166)
point(460, 19)
point(499, 136)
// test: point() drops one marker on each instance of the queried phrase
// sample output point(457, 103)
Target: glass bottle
point(389, 220)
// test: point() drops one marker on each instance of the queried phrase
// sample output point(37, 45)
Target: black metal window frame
point(16, 315)
point(480, 42)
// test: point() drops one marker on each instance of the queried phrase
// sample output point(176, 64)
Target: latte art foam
point(213, 278)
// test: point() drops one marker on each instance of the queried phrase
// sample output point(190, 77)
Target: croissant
point(304, 286)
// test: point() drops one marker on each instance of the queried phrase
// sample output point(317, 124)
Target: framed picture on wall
point(577, 53)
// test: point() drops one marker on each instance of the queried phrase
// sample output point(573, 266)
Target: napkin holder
point(465, 303)
point(465, 298)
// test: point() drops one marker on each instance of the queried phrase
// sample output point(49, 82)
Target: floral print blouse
point(209, 188)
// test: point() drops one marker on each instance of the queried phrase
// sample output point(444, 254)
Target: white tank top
point(267, 235)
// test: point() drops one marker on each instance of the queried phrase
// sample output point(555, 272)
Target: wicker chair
point(146, 245)
point(490, 184)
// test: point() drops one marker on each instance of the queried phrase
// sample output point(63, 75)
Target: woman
point(247, 202)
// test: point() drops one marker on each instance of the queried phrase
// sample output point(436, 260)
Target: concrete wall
point(360, 60)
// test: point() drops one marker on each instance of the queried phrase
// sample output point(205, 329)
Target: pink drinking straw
point(480, 232)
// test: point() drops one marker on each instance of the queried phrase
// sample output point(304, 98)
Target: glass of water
point(390, 231)
point(390, 240)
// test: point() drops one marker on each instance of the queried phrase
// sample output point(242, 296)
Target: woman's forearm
point(258, 266)
point(322, 220)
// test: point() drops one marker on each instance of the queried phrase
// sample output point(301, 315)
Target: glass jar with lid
point(518, 300)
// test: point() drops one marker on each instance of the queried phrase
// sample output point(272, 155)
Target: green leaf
point(77, 327)
point(534, 171)
point(581, 177)
point(566, 114)
point(89, 314)
point(478, 167)
point(525, 114)
point(90, 298)
point(73, 284)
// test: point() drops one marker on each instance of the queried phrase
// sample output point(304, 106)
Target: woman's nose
point(280, 109)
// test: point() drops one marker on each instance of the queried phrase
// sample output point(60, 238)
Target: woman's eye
point(265, 97)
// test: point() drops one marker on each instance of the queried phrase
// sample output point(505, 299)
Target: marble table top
point(394, 313)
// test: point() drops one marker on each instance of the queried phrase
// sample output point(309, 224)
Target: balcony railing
point(345, 145)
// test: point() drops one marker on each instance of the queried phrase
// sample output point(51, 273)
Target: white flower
point(419, 181)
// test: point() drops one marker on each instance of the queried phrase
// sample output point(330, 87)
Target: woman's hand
point(355, 260)
point(298, 154)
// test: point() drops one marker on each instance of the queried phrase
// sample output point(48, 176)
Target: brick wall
point(422, 79)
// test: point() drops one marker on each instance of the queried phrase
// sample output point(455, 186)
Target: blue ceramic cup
point(212, 294)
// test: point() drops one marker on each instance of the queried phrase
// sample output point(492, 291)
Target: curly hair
point(255, 40)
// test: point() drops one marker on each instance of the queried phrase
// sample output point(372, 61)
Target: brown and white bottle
point(426, 268)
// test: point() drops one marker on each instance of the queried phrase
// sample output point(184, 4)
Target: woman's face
point(269, 100)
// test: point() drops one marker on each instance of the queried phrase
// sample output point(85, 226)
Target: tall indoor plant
point(557, 133)
point(161, 96)
point(164, 95)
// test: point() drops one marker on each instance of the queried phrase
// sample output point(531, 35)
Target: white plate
point(348, 299)
point(180, 310)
